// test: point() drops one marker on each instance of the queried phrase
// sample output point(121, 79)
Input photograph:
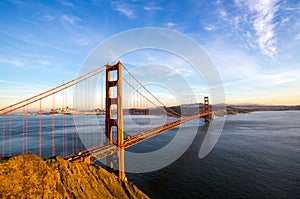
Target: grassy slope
point(28, 176)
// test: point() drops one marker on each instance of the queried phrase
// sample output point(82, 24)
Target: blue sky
point(254, 44)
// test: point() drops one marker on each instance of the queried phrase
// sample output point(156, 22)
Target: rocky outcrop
point(29, 176)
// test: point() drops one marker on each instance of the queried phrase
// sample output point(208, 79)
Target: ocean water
point(257, 156)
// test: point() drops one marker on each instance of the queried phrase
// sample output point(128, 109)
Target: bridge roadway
point(100, 152)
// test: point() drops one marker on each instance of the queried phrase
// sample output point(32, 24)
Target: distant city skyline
point(255, 44)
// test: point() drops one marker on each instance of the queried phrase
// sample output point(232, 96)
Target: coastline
point(234, 109)
point(28, 175)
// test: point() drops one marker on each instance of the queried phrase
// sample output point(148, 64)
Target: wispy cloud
point(33, 41)
point(263, 14)
point(66, 3)
point(12, 91)
point(285, 20)
point(297, 37)
point(223, 13)
point(123, 9)
point(23, 84)
point(15, 62)
point(209, 27)
point(43, 62)
point(266, 88)
point(273, 79)
point(282, 78)
point(48, 17)
point(82, 42)
point(294, 8)
point(151, 8)
point(70, 19)
point(170, 24)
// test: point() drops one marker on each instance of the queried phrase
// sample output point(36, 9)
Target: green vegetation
point(29, 176)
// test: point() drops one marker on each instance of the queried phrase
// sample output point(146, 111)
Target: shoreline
point(234, 110)
point(28, 175)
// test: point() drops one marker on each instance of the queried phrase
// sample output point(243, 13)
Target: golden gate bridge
point(45, 123)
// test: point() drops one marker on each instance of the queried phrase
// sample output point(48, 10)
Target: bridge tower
point(110, 122)
point(207, 109)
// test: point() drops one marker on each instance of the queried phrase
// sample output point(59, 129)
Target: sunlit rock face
point(30, 176)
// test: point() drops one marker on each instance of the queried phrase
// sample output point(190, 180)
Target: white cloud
point(123, 9)
point(285, 20)
point(248, 35)
point(223, 13)
point(151, 8)
point(48, 17)
point(82, 42)
point(5, 82)
point(297, 37)
point(276, 79)
point(263, 14)
point(209, 27)
point(294, 8)
point(70, 19)
point(43, 62)
point(66, 3)
point(170, 24)
point(14, 62)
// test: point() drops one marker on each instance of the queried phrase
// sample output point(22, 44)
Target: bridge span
point(100, 152)
point(28, 126)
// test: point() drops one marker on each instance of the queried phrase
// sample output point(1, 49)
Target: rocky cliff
point(29, 176)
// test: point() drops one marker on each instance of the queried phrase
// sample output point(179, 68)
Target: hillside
point(29, 176)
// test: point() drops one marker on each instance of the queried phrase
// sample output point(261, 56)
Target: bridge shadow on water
point(164, 183)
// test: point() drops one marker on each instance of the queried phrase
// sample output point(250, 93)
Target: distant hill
point(267, 107)
point(29, 176)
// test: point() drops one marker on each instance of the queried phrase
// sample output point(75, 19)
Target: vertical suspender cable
point(10, 133)
point(62, 126)
point(53, 124)
point(23, 129)
point(82, 119)
point(76, 137)
point(26, 136)
point(73, 144)
point(3, 135)
point(135, 102)
point(66, 121)
point(41, 138)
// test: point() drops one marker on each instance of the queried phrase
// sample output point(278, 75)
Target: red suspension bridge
point(49, 123)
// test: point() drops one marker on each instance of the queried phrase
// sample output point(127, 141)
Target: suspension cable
point(54, 90)
point(177, 114)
